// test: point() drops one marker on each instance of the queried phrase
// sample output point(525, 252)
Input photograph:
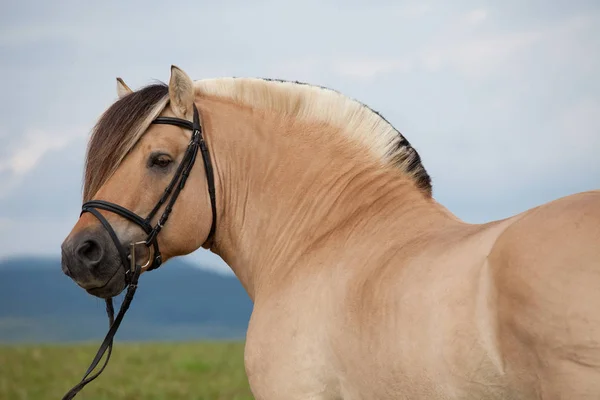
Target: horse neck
point(287, 187)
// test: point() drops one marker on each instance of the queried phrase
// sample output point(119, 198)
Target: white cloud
point(476, 57)
point(456, 45)
point(479, 57)
point(26, 154)
point(35, 145)
point(461, 48)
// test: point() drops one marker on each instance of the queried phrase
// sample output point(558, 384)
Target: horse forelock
point(117, 131)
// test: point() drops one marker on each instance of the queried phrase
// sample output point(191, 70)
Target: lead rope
point(108, 339)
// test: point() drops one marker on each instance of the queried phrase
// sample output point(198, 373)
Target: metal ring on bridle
point(132, 256)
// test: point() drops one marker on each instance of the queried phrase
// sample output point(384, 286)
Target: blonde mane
point(315, 103)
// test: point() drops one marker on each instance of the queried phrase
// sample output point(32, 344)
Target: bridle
point(128, 261)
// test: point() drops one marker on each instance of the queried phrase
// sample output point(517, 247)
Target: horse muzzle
point(91, 260)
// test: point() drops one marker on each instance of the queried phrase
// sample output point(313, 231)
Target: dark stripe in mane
point(409, 158)
point(113, 131)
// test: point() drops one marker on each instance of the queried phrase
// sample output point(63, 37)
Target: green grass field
point(199, 370)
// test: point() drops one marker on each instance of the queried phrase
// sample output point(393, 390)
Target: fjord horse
point(364, 287)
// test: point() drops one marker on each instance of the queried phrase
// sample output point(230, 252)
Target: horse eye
point(159, 161)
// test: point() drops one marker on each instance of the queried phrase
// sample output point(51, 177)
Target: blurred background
point(501, 99)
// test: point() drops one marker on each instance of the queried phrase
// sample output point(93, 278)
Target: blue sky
point(501, 99)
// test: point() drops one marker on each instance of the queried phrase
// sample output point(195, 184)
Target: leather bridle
point(128, 261)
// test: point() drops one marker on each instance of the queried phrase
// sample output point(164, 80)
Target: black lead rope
point(107, 344)
point(132, 270)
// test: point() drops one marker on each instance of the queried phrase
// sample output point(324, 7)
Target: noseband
point(128, 261)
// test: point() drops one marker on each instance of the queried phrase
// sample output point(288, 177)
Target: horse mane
point(300, 100)
point(125, 121)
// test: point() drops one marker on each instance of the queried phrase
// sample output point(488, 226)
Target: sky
point(501, 99)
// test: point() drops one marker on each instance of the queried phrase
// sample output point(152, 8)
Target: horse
point(363, 285)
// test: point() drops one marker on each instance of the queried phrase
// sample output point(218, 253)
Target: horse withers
point(364, 287)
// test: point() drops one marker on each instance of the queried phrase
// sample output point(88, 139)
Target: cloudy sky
point(501, 99)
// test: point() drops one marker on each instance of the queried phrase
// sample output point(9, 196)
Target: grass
point(151, 371)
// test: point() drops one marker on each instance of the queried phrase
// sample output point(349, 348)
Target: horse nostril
point(90, 251)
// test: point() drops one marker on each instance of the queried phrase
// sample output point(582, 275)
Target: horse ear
point(122, 89)
point(181, 93)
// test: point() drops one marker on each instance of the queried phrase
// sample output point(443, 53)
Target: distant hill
point(38, 303)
